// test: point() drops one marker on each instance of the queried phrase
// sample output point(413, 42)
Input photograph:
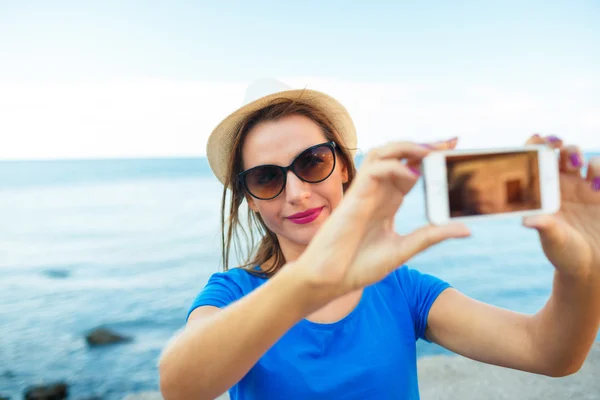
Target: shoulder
point(411, 276)
point(409, 279)
point(239, 277)
point(223, 288)
point(238, 281)
point(418, 289)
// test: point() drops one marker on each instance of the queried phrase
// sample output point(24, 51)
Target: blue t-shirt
point(369, 354)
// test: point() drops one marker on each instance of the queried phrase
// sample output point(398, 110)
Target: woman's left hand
point(571, 237)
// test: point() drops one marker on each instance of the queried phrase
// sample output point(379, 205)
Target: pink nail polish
point(554, 139)
point(427, 146)
point(576, 160)
point(596, 184)
point(415, 171)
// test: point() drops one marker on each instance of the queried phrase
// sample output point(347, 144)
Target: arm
point(554, 342)
point(203, 362)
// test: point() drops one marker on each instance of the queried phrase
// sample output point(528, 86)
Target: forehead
point(278, 142)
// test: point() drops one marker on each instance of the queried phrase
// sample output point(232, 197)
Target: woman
point(325, 308)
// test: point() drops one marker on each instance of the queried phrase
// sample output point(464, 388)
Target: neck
point(291, 251)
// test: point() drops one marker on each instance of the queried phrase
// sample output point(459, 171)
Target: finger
point(593, 173)
point(543, 223)
point(553, 233)
point(449, 144)
point(535, 139)
point(391, 170)
point(429, 235)
point(560, 241)
point(410, 150)
point(553, 141)
point(571, 160)
point(399, 150)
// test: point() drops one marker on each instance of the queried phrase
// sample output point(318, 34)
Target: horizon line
point(155, 157)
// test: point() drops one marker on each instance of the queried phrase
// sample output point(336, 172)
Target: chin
point(303, 234)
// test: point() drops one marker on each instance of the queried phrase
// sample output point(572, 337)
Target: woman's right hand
point(358, 245)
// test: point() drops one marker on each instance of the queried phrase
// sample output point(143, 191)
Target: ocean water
point(127, 244)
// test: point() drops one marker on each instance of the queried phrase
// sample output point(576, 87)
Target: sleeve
point(220, 290)
point(421, 291)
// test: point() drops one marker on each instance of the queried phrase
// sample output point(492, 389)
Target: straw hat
point(261, 94)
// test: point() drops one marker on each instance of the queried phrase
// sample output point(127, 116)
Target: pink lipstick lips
point(306, 217)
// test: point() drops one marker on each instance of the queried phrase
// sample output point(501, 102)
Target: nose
point(296, 190)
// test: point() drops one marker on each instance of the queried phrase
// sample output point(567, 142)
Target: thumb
point(561, 243)
point(428, 236)
point(552, 231)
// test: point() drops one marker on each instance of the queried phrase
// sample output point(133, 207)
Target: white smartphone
point(465, 185)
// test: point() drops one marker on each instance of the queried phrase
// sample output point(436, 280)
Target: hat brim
point(221, 140)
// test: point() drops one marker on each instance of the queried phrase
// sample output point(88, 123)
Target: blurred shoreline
point(456, 377)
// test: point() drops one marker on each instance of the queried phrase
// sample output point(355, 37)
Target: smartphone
point(465, 185)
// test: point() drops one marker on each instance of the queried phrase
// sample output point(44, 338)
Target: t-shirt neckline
point(333, 325)
point(343, 321)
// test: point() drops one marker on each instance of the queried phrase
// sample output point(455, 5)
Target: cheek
point(270, 213)
point(334, 190)
point(337, 197)
point(340, 180)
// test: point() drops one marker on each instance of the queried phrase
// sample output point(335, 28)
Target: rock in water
point(7, 374)
point(53, 391)
point(57, 273)
point(103, 336)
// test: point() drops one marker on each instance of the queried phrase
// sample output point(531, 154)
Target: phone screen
point(493, 183)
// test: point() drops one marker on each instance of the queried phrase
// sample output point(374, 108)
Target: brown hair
point(232, 230)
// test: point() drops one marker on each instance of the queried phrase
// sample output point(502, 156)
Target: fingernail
point(536, 135)
point(415, 171)
point(427, 146)
point(596, 184)
point(453, 139)
point(576, 160)
point(553, 139)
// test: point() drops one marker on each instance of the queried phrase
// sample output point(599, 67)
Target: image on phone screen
point(493, 183)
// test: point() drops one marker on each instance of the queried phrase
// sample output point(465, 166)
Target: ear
point(344, 171)
point(251, 203)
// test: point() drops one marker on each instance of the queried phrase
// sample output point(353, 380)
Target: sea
point(127, 244)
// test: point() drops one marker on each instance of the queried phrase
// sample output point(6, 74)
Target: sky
point(152, 79)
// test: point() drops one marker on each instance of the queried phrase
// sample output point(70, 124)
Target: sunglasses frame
point(242, 181)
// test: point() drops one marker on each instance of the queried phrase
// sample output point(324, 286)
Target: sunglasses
point(313, 165)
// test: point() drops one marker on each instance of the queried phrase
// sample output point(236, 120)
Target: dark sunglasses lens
point(314, 165)
point(264, 182)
